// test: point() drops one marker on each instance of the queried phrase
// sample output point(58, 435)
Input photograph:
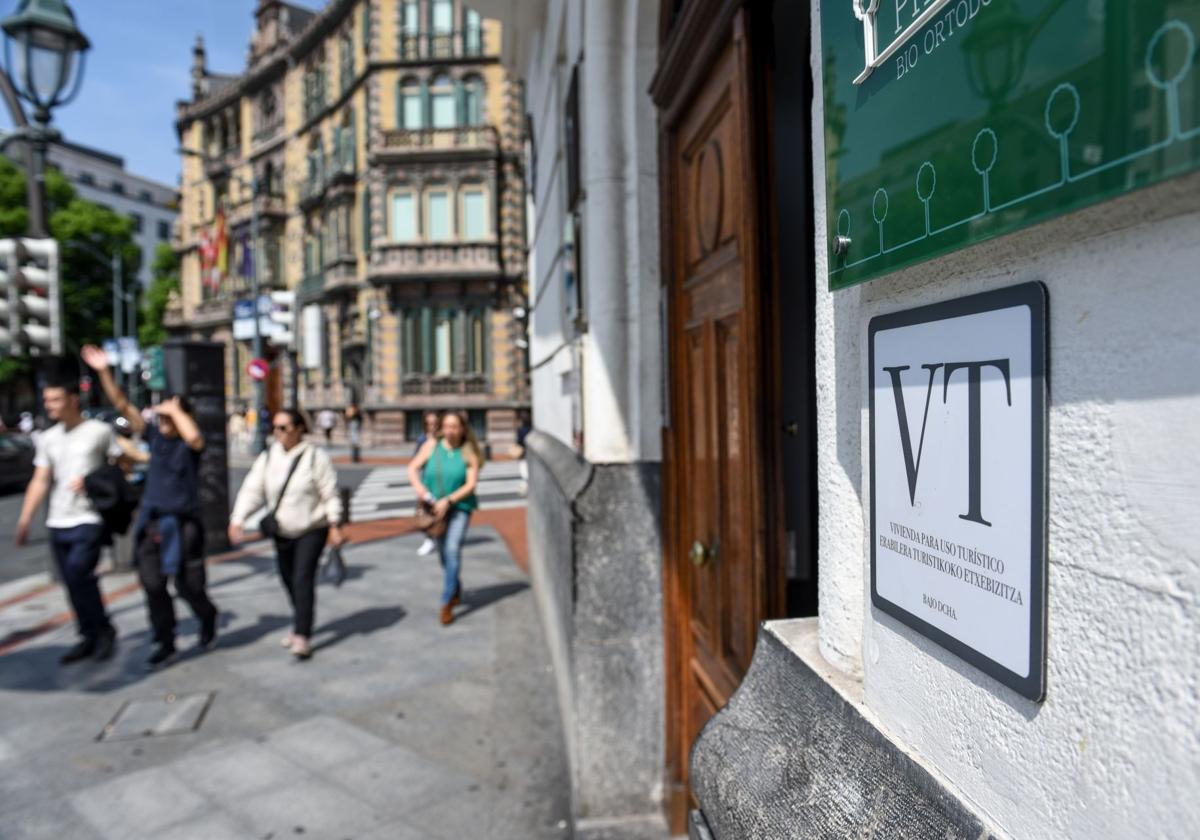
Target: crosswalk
point(386, 493)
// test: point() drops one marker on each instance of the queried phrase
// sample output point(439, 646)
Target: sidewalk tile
point(138, 803)
point(324, 741)
point(312, 808)
point(397, 831)
point(216, 826)
point(399, 780)
point(237, 768)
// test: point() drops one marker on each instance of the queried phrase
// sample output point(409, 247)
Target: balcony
point(335, 174)
point(311, 288)
point(444, 385)
point(220, 163)
point(431, 260)
point(440, 143)
point(212, 312)
point(269, 207)
point(441, 45)
point(267, 133)
point(341, 273)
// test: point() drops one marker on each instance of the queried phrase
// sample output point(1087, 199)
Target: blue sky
point(139, 65)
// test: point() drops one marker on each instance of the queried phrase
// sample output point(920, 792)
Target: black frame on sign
point(1035, 297)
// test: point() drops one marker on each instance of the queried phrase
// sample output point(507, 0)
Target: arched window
point(410, 110)
point(443, 109)
point(473, 99)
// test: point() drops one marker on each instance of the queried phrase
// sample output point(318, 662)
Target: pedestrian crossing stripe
point(386, 493)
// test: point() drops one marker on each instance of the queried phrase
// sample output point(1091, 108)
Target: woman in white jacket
point(307, 514)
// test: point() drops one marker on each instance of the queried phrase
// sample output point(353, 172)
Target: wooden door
point(717, 583)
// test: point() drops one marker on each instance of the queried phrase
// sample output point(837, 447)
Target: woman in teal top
point(444, 474)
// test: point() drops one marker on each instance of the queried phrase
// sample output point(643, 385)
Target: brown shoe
point(447, 614)
point(456, 600)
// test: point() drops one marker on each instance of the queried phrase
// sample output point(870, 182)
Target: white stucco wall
point(606, 379)
point(1112, 751)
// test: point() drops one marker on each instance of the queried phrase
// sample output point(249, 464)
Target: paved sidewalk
point(397, 728)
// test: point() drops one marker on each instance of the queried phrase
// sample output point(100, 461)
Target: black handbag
point(268, 526)
point(333, 570)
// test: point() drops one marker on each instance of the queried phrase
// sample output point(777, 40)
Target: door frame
point(691, 42)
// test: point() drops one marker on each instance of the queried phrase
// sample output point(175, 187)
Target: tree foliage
point(165, 271)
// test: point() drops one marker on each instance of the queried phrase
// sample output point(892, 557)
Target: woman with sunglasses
point(298, 485)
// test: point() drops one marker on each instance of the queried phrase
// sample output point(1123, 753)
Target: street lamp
point(254, 187)
point(43, 57)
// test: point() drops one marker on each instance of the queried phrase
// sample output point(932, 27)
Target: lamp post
point(44, 54)
point(257, 344)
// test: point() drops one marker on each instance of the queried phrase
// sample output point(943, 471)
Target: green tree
point(165, 271)
point(86, 280)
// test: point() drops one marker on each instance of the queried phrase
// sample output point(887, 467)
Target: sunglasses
point(284, 428)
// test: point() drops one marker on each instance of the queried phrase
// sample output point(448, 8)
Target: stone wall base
point(792, 756)
point(595, 555)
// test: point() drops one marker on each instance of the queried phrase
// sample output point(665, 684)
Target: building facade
point(705, 464)
point(101, 178)
point(383, 140)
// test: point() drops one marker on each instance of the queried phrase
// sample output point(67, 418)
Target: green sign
point(948, 122)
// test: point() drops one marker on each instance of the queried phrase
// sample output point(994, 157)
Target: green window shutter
point(460, 103)
point(426, 105)
point(400, 123)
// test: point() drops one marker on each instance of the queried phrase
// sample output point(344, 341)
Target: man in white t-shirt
point(65, 454)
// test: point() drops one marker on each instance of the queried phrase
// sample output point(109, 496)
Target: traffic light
point(284, 314)
point(30, 298)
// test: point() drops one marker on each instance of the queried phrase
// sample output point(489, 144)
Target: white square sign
point(957, 394)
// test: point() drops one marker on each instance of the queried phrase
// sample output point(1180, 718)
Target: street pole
point(118, 318)
point(260, 408)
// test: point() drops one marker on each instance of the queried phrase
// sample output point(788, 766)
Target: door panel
point(717, 562)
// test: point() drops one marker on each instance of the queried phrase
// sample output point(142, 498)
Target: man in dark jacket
point(168, 536)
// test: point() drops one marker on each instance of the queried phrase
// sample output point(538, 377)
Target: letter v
point(911, 467)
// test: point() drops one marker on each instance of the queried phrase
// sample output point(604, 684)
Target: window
point(443, 342)
point(442, 94)
point(474, 213)
point(144, 195)
point(164, 231)
point(442, 13)
point(404, 217)
point(473, 34)
point(410, 28)
point(118, 188)
point(438, 227)
point(86, 178)
point(137, 222)
point(473, 101)
point(410, 108)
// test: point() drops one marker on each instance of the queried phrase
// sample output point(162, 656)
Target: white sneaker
point(427, 547)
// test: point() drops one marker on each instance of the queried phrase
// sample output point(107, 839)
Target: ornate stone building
point(383, 142)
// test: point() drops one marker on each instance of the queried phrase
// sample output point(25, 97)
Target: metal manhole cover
point(166, 715)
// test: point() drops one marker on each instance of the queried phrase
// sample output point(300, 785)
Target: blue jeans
point(77, 552)
point(450, 548)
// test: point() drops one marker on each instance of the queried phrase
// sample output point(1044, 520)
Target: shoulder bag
point(427, 520)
